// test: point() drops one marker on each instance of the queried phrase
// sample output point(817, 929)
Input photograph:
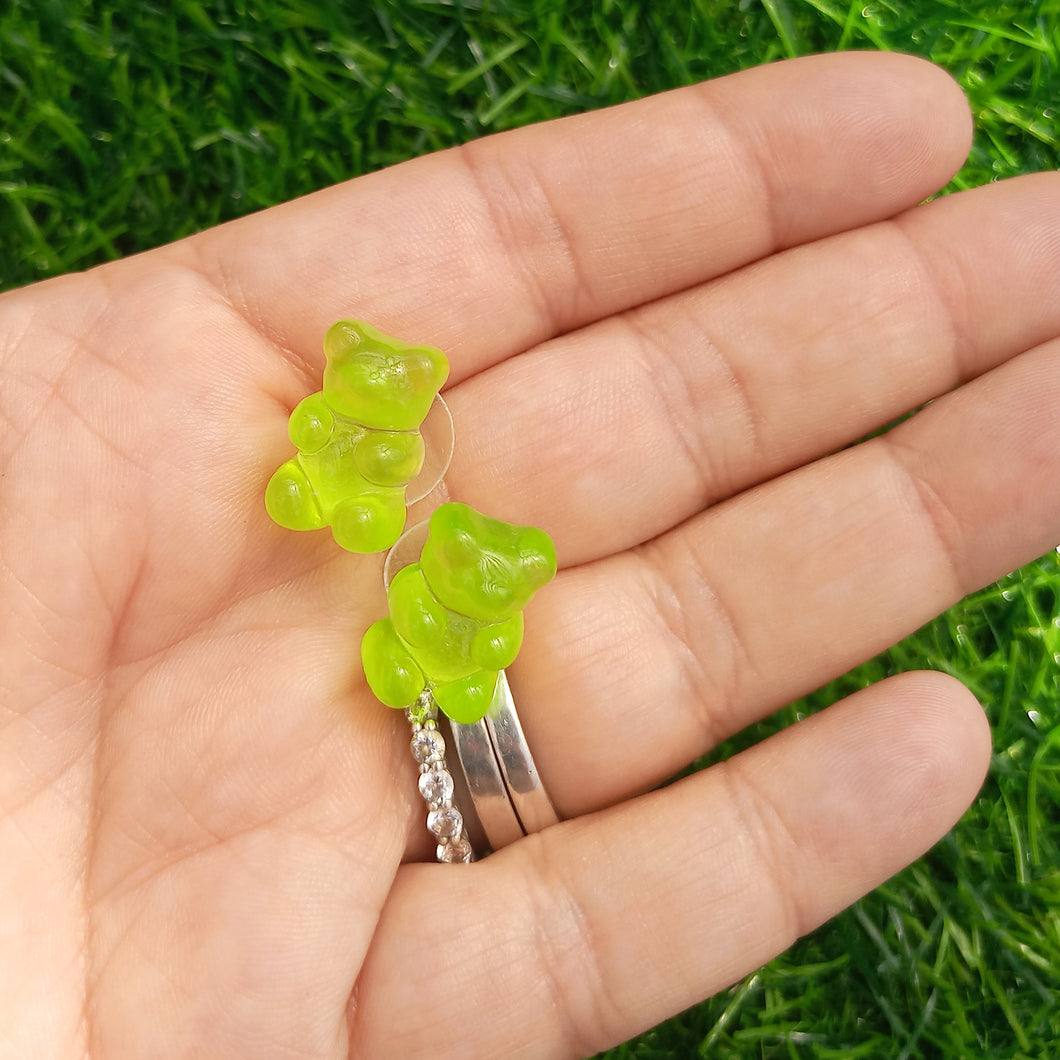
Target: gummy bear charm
point(456, 617)
point(358, 439)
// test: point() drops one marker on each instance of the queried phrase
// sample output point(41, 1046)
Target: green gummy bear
point(358, 439)
point(456, 617)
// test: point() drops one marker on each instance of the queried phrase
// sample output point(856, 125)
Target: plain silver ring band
point(502, 779)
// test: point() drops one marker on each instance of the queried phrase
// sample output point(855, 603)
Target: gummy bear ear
point(460, 549)
point(452, 543)
point(342, 337)
point(449, 519)
point(537, 557)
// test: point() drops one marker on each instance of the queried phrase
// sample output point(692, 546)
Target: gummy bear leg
point(467, 700)
point(392, 673)
point(370, 522)
point(290, 499)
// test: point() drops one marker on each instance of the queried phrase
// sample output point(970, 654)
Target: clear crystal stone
point(455, 850)
point(427, 744)
point(436, 787)
point(445, 822)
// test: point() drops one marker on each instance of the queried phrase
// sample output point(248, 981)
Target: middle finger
point(613, 434)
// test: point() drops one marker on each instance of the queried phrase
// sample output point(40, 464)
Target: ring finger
point(672, 646)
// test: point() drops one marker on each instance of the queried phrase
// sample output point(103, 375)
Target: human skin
point(664, 321)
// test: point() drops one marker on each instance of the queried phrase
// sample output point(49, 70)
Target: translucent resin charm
point(358, 439)
point(456, 616)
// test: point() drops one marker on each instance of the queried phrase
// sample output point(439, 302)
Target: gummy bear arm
point(389, 458)
point(418, 616)
point(495, 646)
point(311, 423)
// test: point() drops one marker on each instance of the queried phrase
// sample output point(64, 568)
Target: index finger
point(487, 249)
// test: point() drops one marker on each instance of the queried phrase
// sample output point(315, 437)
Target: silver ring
point(485, 784)
point(502, 779)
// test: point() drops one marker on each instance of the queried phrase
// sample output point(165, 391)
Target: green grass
point(129, 124)
point(126, 125)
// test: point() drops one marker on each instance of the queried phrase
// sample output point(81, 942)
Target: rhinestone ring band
point(495, 762)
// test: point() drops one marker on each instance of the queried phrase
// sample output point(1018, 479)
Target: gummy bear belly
point(449, 657)
point(439, 670)
point(333, 476)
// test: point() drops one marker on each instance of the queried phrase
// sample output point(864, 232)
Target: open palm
point(665, 323)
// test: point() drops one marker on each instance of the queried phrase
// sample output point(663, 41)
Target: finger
point(767, 596)
point(592, 931)
point(495, 246)
point(612, 435)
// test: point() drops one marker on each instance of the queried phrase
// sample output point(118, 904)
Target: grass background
point(127, 124)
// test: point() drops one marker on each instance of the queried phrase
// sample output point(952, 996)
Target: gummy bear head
point(482, 567)
point(379, 381)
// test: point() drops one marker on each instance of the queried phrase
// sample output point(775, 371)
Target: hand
point(665, 322)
